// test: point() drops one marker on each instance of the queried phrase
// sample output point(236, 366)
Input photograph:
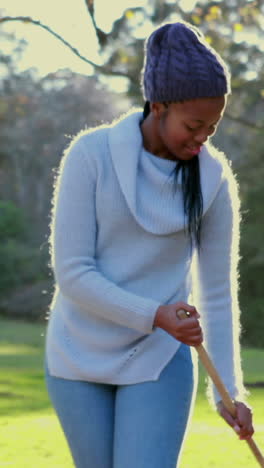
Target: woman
point(135, 202)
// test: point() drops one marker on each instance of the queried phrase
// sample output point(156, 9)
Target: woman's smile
point(179, 130)
point(193, 150)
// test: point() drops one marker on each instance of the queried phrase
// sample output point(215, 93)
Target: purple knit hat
point(180, 65)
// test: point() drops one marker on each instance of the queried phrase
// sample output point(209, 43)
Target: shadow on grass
point(22, 383)
point(254, 384)
point(23, 388)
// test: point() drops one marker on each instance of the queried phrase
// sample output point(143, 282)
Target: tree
point(37, 119)
point(221, 22)
point(44, 108)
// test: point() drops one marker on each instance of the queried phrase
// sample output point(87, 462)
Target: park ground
point(30, 435)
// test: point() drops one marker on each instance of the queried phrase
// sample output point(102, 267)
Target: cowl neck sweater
point(143, 176)
point(118, 251)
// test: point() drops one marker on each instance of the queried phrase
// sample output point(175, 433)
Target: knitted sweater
point(118, 251)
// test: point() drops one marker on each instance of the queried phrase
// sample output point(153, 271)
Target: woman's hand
point(186, 330)
point(242, 423)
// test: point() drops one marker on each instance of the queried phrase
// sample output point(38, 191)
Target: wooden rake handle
point(227, 401)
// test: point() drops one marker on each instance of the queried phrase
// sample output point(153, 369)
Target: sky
point(68, 18)
point(71, 20)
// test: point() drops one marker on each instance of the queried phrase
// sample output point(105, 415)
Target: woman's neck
point(151, 139)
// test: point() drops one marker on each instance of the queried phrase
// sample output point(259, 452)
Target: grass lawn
point(30, 435)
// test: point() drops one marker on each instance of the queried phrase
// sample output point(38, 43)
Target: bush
point(12, 223)
point(252, 320)
point(20, 263)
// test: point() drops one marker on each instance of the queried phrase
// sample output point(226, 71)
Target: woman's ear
point(157, 109)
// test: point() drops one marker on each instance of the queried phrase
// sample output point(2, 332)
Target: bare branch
point(90, 6)
point(244, 122)
point(99, 68)
point(101, 36)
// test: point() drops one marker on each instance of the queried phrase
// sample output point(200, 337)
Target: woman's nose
point(201, 137)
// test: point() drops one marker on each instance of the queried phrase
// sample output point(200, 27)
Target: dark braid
point(192, 193)
point(146, 110)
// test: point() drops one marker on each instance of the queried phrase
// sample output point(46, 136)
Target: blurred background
point(65, 66)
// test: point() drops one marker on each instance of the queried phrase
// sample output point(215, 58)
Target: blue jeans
point(139, 425)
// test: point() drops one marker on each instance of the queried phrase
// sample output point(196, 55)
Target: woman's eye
point(212, 129)
point(191, 129)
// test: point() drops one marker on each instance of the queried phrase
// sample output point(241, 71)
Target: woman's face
point(183, 127)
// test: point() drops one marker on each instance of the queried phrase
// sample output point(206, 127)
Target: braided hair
point(191, 190)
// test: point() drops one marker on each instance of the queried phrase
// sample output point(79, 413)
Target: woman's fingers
point(192, 329)
point(188, 324)
point(193, 341)
point(229, 419)
point(242, 423)
point(186, 329)
point(244, 418)
point(192, 335)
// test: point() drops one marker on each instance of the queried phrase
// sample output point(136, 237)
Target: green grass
point(30, 435)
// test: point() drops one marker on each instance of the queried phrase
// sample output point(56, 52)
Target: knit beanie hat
point(180, 65)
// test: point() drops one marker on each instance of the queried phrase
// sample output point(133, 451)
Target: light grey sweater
point(118, 251)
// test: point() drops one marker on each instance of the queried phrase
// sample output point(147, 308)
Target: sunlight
point(250, 37)
point(187, 5)
point(45, 54)
point(105, 19)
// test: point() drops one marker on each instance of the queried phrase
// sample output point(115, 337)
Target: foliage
point(252, 248)
point(12, 223)
point(19, 263)
point(36, 117)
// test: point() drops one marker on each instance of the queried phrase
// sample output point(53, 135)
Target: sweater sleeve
point(217, 289)
point(73, 246)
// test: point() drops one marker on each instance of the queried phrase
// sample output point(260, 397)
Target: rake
point(227, 401)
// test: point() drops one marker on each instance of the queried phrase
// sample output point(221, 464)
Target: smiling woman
point(167, 132)
point(123, 263)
